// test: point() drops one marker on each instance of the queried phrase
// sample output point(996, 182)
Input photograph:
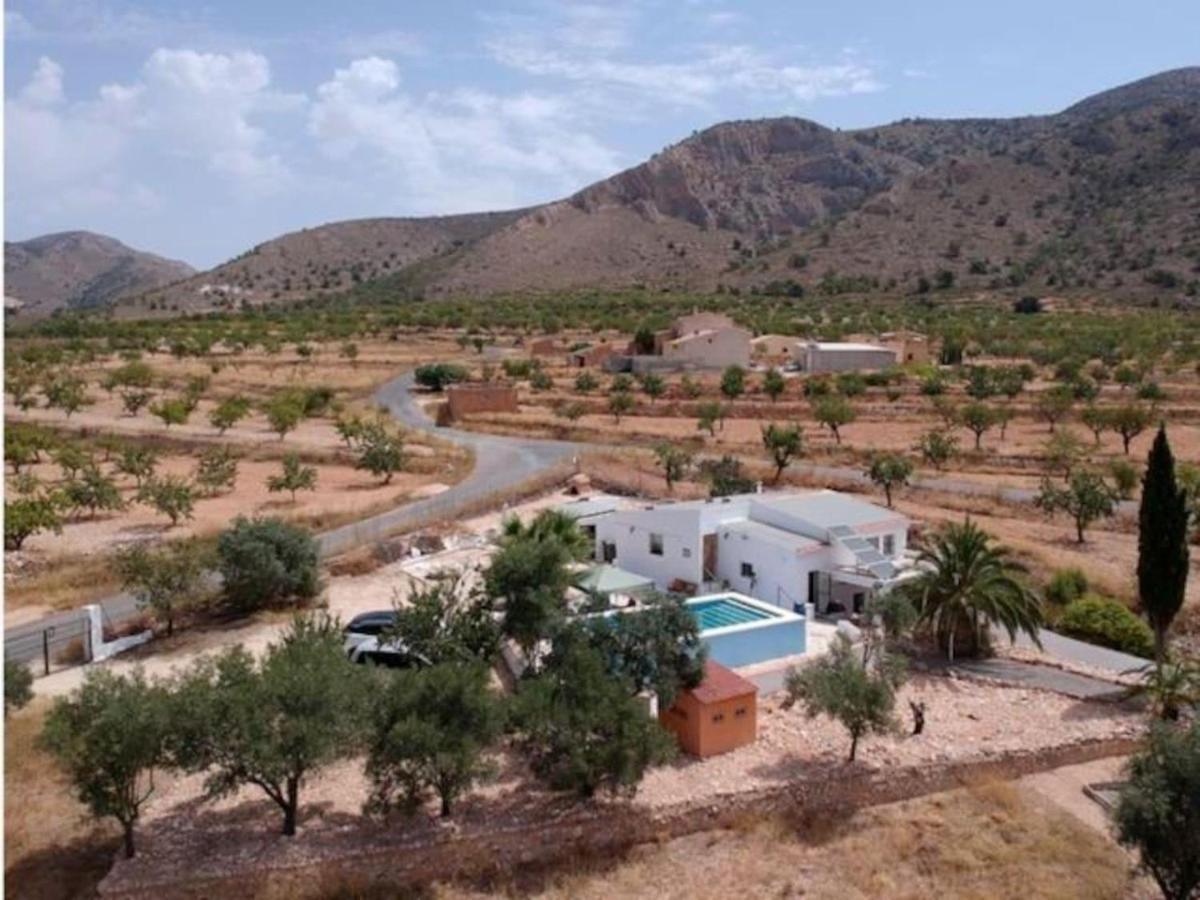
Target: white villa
point(821, 548)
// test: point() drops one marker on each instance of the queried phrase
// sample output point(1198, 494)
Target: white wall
point(682, 554)
point(727, 347)
point(781, 573)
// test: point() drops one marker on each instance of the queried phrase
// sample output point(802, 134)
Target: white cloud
point(453, 150)
point(709, 71)
point(45, 88)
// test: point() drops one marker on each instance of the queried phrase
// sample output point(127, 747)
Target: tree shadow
point(62, 871)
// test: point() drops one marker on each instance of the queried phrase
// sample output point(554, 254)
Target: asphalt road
point(501, 464)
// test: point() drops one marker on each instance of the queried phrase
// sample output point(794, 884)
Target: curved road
point(501, 464)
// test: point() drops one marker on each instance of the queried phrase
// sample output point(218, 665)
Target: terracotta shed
point(718, 716)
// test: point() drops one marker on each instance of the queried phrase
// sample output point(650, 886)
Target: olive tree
point(783, 443)
point(1086, 497)
point(274, 722)
point(109, 736)
point(859, 694)
point(890, 471)
point(167, 580)
point(294, 476)
point(429, 732)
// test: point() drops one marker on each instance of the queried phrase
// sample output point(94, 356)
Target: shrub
point(1066, 585)
point(1103, 621)
point(18, 685)
point(266, 561)
point(435, 376)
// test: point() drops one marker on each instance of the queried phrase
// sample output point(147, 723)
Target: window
point(656, 544)
point(718, 718)
point(739, 712)
point(889, 545)
point(747, 570)
point(687, 552)
point(608, 551)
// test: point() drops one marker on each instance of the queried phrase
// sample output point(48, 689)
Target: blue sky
point(196, 131)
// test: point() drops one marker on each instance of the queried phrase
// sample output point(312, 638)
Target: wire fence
point(48, 648)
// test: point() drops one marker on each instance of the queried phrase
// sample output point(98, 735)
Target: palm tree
point(968, 584)
point(551, 524)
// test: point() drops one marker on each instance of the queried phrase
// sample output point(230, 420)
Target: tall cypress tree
point(1162, 542)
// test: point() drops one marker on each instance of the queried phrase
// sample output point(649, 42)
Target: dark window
point(608, 551)
point(889, 545)
point(719, 717)
point(656, 544)
point(739, 712)
point(747, 570)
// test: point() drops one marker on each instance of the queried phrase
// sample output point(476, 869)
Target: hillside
point(328, 259)
point(79, 269)
point(1102, 197)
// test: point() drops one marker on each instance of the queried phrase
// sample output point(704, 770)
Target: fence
point(46, 648)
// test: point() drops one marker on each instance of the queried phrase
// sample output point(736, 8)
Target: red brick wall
point(462, 400)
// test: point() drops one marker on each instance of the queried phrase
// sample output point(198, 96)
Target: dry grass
point(52, 850)
point(987, 842)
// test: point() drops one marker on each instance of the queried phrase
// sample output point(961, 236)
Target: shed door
point(710, 557)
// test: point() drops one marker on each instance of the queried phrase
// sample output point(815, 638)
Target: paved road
point(1012, 671)
point(501, 464)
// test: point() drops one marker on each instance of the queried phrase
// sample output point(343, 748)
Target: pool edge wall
point(784, 634)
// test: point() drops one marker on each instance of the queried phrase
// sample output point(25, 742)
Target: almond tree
point(783, 443)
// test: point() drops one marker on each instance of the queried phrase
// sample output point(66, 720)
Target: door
point(710, 557)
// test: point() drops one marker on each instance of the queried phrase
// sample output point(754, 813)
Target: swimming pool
point(722, 611)
point(742, 631)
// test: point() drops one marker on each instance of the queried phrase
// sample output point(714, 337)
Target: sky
point(198, 130)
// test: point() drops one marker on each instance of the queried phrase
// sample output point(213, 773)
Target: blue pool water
point(766, 633)
point(723, 611)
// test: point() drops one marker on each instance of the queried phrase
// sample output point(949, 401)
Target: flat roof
point(592, 506)
point(829, 508)
point(839, 345)
point(771, 533)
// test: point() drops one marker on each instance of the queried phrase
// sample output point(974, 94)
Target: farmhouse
point(821, 548)
point(773, 349)
point(909, 346)
point(820, 356)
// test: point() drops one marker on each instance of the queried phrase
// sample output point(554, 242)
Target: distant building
point(909, 347)
point(700, 340)
point(773, 349)
point(719, 715)
point(817, 357)
point(591, 355)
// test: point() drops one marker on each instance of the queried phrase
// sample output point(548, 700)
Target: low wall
point(548, 839)
point(462, 400)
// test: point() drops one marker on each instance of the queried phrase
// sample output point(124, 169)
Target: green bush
point(1100, 620)
point(267, 561)
point(435, 376)
point(1066, 585)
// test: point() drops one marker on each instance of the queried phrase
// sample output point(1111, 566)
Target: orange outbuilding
point(718, 716)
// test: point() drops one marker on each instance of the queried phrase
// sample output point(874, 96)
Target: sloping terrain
point(327, 259)
point(1103, 197)
point(79, 269)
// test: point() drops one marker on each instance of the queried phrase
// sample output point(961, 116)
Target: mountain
point(327, 259)
point(80, 269)
point(1103, 197)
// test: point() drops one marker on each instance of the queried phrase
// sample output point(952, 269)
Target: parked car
point(364, 643)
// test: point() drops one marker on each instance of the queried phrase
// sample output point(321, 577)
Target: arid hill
point(1104, 196)
point(327, 259)
point(79, 269)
